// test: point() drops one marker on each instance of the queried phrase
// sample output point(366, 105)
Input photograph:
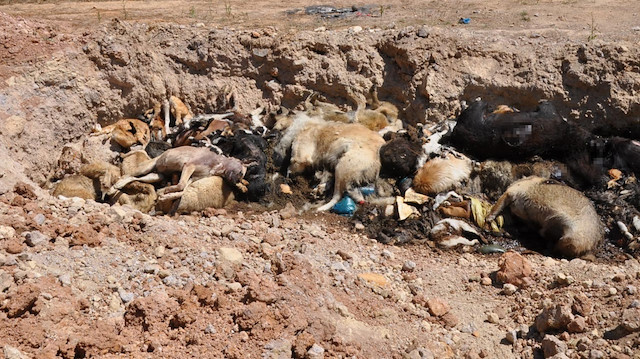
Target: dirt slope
point(93, 281)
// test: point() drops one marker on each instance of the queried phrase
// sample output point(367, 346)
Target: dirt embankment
point(120, 68)
point(81, 279)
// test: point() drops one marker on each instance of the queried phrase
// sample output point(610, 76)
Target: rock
point(6, 281)
point(582, 305)
point(631, 289)
point(159, 251)
point(552, 346)
point(514, 269)
point(13, 353)
point(512, 336)
point(563, 280)
point(35, 238)
point(423, 31)
point(288, 211)
point(315, 352)
point(374, 278)
point(450, 320)
point(388, 254)
point(355, 29)
point(126, 297)
point(65, 279)
point(631, 320)
point(493, 318)
point(277, 349)
point(509, 289)
point(230, 255)
point(7, 232)
point(39, 219)
point(578, 325)
point(13, 247)
point(344, 255)
point(596, 354)
point(485, 281)
point(437, 307)
point(554, 318)
point(409, 266)
point(210, 329)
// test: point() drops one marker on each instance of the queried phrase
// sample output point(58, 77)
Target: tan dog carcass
point(126, 132)
point(563, 215)
point(351, 151)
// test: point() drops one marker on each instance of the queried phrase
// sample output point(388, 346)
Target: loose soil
point(82, 279)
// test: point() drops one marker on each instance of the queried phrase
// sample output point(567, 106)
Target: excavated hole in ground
point(126, 67)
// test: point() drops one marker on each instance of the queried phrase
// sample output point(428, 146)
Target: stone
point(582, 305)
point(554, 318)
point(509, 289)
point(512, 336)
point(437, 307)
point(7, 232)
point(423, 32)
point(631, 320)
point(210, 329)
point(450, 320)
point(65, 279)
point(596, 354)
point(374, 278)
point(126, 297)
point(486, 281)
point(13, 247)
point(35, 238)
point(6, 281)
point(493, 318)
point(563, 280)
point(39, 219)
point(159, 251)
point(409, 266)
point(230, 255)
point(514, 268)
point(578, 325)
point(277, 349)
point(13, 353)
point(315, 352)
point(288, 211)
point(552, 346)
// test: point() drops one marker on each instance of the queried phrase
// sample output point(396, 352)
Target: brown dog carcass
point(563, 215)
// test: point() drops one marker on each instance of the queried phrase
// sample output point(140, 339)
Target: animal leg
point(124, 181)
point(504, 201)
point(167, 117)
point(187, 171)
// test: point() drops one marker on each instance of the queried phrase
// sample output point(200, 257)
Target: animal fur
point(351, 151)
point(441, 174)
point(104, 173)
point(208, 192)
point(127, 132)
point(77, 186)
point(250, 149)
point(563, 215)
point(180, 112)
point(139, 195)
point(190, 162)
point(399, 156)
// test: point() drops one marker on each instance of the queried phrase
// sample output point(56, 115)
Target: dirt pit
point(83, 279)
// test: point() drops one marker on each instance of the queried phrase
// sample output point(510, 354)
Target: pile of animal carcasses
point(461, 174)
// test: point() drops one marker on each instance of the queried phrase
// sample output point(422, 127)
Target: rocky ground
point(83, 279)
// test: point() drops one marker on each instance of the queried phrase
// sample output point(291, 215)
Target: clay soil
point(82, 279)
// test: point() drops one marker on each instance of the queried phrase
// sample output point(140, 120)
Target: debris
point(479, 211)
point(450, 232)
point(491, 248)
point(285, 188)
point(345, 207)
point(464, 20)
point(404, 210)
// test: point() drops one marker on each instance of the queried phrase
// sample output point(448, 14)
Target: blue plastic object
point(464, 20)
point(345, 207)
point(367, 190)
